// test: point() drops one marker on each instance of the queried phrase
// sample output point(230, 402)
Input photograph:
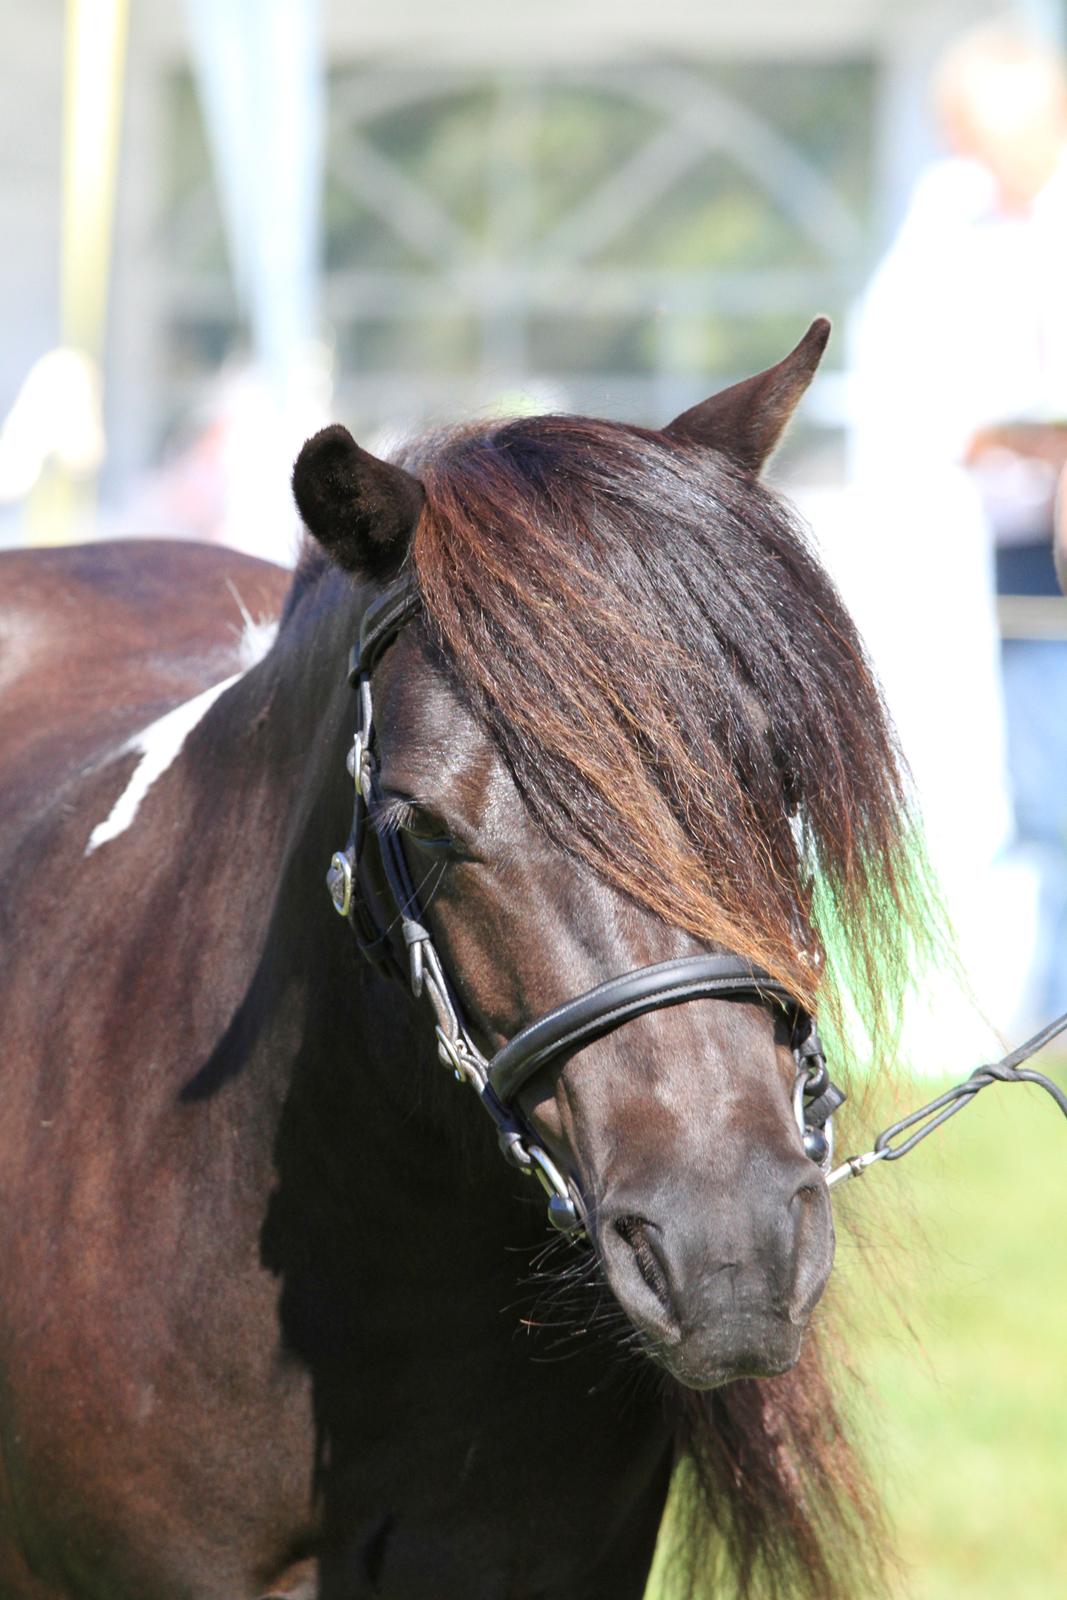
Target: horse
point(277, 1319)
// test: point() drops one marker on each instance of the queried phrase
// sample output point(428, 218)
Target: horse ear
point(746, 421)
point(361, 510)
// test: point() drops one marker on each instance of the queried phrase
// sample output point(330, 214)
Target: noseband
point(499, 1079)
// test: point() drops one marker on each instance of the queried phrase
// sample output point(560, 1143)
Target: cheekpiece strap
point(382, 621)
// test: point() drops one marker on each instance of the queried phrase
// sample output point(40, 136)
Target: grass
point(960, 1338)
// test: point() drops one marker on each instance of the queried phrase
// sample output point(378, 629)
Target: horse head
point(601, 744)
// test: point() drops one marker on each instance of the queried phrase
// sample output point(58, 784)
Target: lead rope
point(935, 1112)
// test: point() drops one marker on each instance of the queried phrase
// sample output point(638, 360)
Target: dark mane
point(677, 688)
point(684, 702)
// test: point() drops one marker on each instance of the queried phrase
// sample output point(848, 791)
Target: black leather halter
point(383, 931)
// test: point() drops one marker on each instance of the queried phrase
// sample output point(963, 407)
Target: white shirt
point(965, 322)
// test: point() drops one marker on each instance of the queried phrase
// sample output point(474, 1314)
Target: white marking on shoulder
point(161, 742)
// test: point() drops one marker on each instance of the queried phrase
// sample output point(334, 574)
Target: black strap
point(619, 1000)
point(382, 620)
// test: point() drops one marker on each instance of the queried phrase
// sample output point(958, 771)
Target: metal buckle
point(448, 1052)
point(818, 1142)
point(562, 1211)
point(855, 1166)
point(800, 1083)
point(339, 882)
point(356, 762)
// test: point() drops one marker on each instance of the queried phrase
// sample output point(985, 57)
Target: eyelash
point(399, 815)
point(395, 815)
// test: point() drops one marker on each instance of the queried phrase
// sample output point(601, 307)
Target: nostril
point(813, 1248)
point(810, 1204)
point(633, 1231)
point(806, 1196)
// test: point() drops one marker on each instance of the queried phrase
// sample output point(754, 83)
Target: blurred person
point(961, 363)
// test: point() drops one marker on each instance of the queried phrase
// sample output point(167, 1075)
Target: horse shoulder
point(99, 641)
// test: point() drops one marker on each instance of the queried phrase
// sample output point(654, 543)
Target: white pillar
point(259, 73)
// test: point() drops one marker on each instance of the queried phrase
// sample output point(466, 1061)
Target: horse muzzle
point(722, 1287)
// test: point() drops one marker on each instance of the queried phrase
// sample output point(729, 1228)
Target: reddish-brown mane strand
point(669, 674)
point(774, 1501)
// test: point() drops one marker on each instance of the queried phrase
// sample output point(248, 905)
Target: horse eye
point(422, 825)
